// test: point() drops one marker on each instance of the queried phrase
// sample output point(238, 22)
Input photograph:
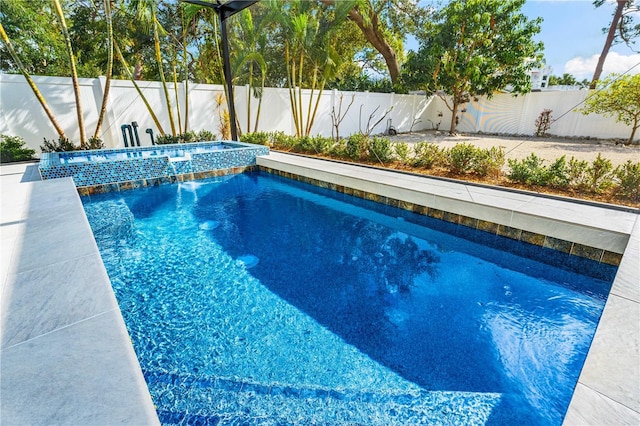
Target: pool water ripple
point(293, 306)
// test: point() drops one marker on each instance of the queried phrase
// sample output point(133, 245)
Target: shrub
point(489, 161)
point(321, 145)
point(557, 174)
point(94, 143)
point(282, 141)
point(401, 151)
point(357, 146)
point(167, 139)
point(206, 136)
point(187, 137)
point(577, 173)
point(543, 122)
point(304, 144)
point(629, 176)
point(461, 158)
point(529, 170)
point(61, 145)
point(258, 138)
point(379, 149)
point(12, 148)
point(339, 149)
point(427, 155)
point(600, 175)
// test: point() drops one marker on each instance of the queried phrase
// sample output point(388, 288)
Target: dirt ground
point(518, 147)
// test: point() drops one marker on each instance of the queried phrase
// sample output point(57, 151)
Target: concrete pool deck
point(66, 357)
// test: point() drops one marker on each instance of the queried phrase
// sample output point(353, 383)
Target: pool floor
point(292, 325)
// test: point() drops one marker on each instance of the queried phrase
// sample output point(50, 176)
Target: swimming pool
point(254, 297)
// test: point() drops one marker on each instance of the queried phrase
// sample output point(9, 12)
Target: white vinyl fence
point(22, 115)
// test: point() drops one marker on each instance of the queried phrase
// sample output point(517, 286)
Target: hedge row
point(596, 177)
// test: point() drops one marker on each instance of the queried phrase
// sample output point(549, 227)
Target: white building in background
point(540, 78)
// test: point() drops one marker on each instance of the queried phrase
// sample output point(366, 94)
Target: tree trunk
point(135, 84)
point(175, 90)
point(375, 35)
point(156, 42)
point(31, 83)
point(186, 85)
point(107, 85)
point(633, 133)
point(74, 73)
point(454, 118)
point(255, 126)
point(249, 97)
point(137, 70)
point(607, 43)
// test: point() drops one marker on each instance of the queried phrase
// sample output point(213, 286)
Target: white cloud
point(582, 68)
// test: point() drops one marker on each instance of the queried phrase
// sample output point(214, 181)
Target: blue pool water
point(170, 151)
point(254, 299)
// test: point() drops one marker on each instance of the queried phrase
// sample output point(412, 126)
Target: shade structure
point(224, 11)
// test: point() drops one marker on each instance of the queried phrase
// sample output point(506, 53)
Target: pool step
point(188, 399)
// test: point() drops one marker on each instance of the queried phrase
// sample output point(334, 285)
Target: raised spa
point(101, 167)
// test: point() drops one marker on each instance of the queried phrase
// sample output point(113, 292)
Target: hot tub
point(115, 169)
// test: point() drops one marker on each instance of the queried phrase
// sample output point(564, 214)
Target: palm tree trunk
point(135, 84)
point(249, 97)
point(255, 126)
point(607, 43)
point(107, 85)
point(31, 83)
point(156, 43)
point(175, 89)
point(74, 73)
point(186, 101)
point(307, 128)
point(315, 108)
point(291, 79)
point(301, 117)
point(185, 64)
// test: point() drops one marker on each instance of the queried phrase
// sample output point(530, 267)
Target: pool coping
point(66, 355)
point(607, 389)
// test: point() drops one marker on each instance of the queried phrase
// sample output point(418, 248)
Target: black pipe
point(150, 131)
point(124, 135)
point(134, 124)
point(130, 135)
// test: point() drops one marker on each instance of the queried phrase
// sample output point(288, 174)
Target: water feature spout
point(134, 124)
point(124, 128)
point(150, 132)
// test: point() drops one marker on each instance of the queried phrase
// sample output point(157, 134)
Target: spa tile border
point(160, 166)
point(142, 183)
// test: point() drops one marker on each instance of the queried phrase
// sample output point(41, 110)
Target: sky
point(573, 38)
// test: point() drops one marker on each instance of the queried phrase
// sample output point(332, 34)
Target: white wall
point(516, 115)
point(22, 115)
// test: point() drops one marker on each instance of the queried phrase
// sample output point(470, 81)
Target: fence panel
point(22, 115)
